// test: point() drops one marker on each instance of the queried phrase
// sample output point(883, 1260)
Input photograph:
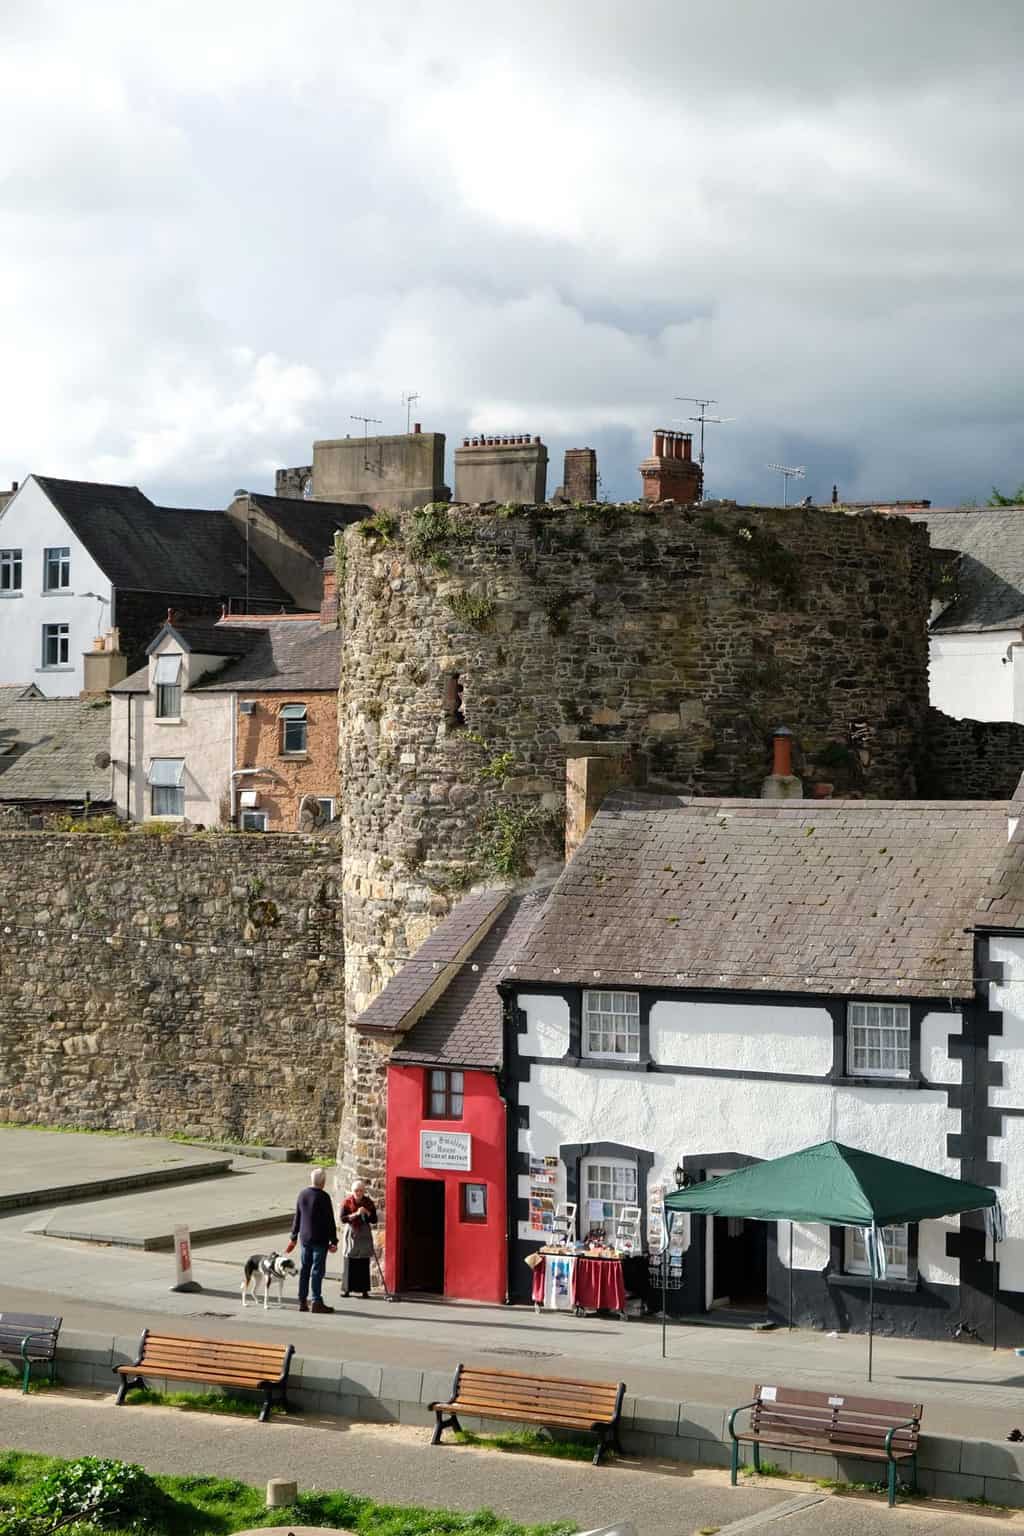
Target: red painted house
point(446, 1164)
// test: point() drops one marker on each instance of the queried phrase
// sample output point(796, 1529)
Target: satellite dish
point(101, 760)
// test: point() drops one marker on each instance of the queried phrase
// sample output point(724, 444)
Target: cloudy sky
point(228, 226)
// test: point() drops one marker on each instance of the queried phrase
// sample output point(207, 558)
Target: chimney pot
point(782, 751)
point(14, 486)
point(658, 450)
point(688, 448)
point(835, 495)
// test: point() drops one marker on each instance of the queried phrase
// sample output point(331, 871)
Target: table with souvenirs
point(592, 1275)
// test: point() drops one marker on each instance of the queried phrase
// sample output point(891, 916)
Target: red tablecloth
point(598, 1284)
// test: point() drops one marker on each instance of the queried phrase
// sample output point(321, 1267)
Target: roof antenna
point(367, 421)
point(789, 472)
point(703, 418)
point(408, 397)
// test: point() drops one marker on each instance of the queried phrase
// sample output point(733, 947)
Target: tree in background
point(997, 499)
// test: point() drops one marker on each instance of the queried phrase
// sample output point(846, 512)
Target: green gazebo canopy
point(841, 1186)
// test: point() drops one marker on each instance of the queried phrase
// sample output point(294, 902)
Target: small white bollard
point(281, 1493)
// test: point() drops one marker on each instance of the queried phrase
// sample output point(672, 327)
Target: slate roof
point(463, 1028)
point(870, 898)
point(990, 575)
point(145, 548)
point(294, 656)
point(288, 656)
point(404, 991)
point(312, 524)
point(55, 742)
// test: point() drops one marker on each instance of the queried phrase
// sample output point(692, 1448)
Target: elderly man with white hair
point(315, 1228)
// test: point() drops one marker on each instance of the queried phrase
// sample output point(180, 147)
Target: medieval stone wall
point(186, 983)
point(970, 759)
point(481, 647)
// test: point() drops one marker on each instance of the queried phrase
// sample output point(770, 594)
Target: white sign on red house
point(446, 1149)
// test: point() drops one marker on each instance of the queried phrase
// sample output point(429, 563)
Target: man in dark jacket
point(315, 1229)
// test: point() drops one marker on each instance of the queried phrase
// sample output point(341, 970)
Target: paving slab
point(44, 1167)
point(253, 1196)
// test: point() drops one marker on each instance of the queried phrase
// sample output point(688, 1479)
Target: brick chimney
point(670, 473)
point(104, 666)
point(590, 775)
point(782, 783)
point(329, 600)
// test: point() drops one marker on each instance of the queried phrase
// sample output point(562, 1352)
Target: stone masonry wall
point(187, 983)
point(481, 648)
point(971, 759)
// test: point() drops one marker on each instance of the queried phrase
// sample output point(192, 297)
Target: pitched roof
point(990, 575)
point(145, 548)
point(870, 898)
point(288, 657)
point(463, 1027)
point(48, 749)
point(209, 639)
point(453, 935)
point(312, 524)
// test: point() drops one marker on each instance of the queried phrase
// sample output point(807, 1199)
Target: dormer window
point(294, 729)
point(167, 683)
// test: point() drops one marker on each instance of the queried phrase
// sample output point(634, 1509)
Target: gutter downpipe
point(234, 742)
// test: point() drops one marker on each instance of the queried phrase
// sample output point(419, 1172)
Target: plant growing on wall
point(381, 528)
point(507, 833)
point(475, 612)
point(434, 535)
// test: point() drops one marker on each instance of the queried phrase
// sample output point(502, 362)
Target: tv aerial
point(789, 472)
point(408, 397)
point(703, 419)
point(368, 422)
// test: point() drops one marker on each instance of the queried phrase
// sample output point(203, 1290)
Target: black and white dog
point(269, 1267)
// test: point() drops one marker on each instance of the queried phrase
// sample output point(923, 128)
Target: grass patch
point(529, 1442)
point(199, 1402)
point(214, 1506)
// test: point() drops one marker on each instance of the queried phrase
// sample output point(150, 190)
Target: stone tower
point(482, 648)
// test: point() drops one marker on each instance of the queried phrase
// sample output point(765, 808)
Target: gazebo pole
point(995, 1288)
point(871, 1317)
point(791, 1277)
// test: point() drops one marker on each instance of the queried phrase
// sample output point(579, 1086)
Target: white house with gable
point(712, 983)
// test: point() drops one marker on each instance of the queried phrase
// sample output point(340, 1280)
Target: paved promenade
point(398, 1465)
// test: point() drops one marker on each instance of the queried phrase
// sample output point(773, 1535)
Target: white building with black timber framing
point(714, 982)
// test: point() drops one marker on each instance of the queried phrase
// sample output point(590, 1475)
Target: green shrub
point(97, 1492)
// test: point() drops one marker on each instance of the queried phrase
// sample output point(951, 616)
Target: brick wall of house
point(190, 983)
point(259, 745)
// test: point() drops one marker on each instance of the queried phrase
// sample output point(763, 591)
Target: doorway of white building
point(735, 1263)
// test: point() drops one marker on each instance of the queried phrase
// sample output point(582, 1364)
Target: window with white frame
point(254, 821)
point(10, 570)
point(167, 682)
point(326, 807)
point(611, 1024)
point(897, 1251)
point(294, 730)
point(56, 569)
point(56, 645)
point(878, 1040)
point(167, 786)
point(606, 1185)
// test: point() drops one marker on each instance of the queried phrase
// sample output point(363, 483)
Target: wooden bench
point(874, 1429)
point(28, 1337)
point(238, 1364)
point(550, 1400)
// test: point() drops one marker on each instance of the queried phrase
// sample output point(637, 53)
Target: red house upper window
point(444, 1095)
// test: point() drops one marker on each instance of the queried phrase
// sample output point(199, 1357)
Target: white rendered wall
point(716, 1034)
point(1008, 1149)
point(969, 678)
point(202, 737)
point(30, 522)
point(673, 1115)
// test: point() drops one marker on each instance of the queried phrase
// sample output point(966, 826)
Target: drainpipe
point(234, 755)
